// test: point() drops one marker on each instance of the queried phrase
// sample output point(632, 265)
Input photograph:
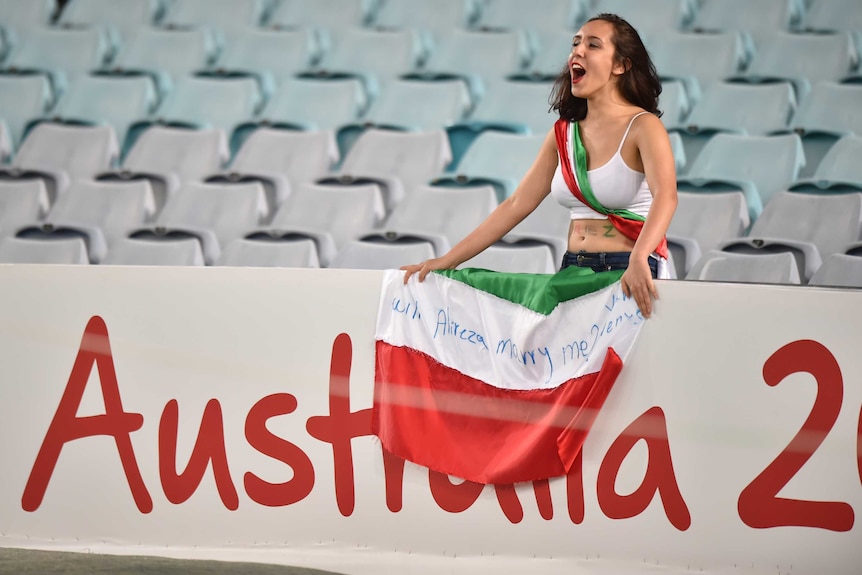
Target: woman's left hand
point(637, 282)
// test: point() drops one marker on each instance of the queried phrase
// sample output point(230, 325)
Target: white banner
point(225, 413)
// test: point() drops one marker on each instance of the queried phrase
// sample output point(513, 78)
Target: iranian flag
point(494, 377)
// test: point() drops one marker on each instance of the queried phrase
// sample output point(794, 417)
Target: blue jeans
point(604, 261)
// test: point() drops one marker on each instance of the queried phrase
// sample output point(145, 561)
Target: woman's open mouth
point(577, 72)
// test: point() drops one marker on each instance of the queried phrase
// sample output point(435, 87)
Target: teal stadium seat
point(756, 17)
point(803, 59)
point(308, 104)
point(757, 110)
point(759, 166)
point(559, 16)
point(270, 55)
point(115, 101)
point(432, 17)
point(833, 16)
point(123, 17)
point(222, 16)
point(17, 16)
point(60, 54)
point(651, 17)
point(330, 17)
point(166, 55)
point(828, 112)
point(839, 169)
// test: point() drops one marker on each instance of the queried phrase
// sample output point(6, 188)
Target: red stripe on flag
point(439, 418)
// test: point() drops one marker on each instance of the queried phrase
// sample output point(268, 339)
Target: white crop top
point(615, 186)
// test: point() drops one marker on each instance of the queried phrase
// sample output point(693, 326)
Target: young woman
point(608, 160)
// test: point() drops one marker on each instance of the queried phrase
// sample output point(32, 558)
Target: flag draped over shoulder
point(496, 377)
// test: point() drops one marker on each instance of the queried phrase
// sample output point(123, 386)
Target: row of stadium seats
point(237, 106)
point(647, 15)
point(377, 57)
point(391, 188)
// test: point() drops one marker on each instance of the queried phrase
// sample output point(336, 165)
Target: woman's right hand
point(424, 268)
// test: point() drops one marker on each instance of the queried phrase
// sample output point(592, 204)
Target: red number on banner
point(859, 447)
point(758, 504)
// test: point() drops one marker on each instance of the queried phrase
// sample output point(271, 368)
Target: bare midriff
point(597, 236)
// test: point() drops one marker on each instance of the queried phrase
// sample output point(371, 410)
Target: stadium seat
point(216, 214)
point(102, 212)
point(719, 266)
point(307, 104)
point(382, 255)
point(224, 16)
point(518, 258)
point(441, 216)
point(519, 106)
point(16, 16)
point(483, 59)
point(271, 55)
point(166, 55)
point(674, 104)
point(752, 16)
point(280, 160)
point(332, 16)
point(701, 222)
point(166, 251)
point(208, 102)
point(810, 226)
point(496, 158)
point(331, 216)
point(270, 252)
point(168, 157)
point(551, 50)
point(63, 154)
point(125, 17)
point(116, 101)
point(651, 17)
point(396, 161)
point(681, 56)
point(549, 224)
point(60, 54)
point(22, 202)
point(833, 16)
point(23, 99)
point(434, 17)
point(757, 110)
point(419, 105)
point(839, 270)
point(555, 15)
point(828, 112)
point(759, 166)
point(377, 57)
point(802, 59)
point(30, 251)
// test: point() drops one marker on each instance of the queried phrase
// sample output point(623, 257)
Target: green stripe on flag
point(538, 292)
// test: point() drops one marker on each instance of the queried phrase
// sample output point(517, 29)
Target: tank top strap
point(629, 127)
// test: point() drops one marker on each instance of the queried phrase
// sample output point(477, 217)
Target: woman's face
point(592, 63)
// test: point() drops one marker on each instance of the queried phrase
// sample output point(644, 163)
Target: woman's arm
point(657, 156)
point(534, 187)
